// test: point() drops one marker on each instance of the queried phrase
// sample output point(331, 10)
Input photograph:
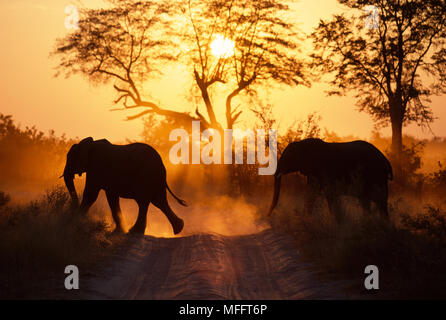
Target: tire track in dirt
point(265, 265)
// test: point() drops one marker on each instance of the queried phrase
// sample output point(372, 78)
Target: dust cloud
point(222, 215)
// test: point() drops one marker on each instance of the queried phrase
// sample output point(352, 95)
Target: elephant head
point(300, 157)
point(77, 160)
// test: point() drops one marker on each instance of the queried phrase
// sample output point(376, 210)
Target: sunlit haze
point(75, 107)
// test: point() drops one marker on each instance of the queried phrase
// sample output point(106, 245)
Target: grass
point(39, 239)
point(410, 251)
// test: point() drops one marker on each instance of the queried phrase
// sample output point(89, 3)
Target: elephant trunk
point(69, 182)
point(277, 180)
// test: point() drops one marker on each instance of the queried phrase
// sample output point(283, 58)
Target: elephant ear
point(83, 149)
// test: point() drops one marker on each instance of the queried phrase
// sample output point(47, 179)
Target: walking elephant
point(354, 168)
point(133, 171)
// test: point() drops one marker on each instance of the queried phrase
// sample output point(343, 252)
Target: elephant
point(133, 171)
point(355, 168)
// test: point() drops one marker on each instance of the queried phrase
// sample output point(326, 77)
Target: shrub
point(4, 198)
point(39, 239)
point(409, 252)
point(431, 223)
point(435, 182)
point(29, 158)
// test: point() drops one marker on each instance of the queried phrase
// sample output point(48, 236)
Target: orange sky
point(73, 106)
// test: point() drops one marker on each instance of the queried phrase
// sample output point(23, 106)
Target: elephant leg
point(383, 210)
point(140, 225)
point(310, 199)
point(311, 193)
point(88, 198)
point(334, 205)
point(113, 202)
point(366, 204)
point(176, 222)
point(381, 199)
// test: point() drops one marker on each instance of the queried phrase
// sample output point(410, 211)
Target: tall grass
point(39, 239)
point(410, 250)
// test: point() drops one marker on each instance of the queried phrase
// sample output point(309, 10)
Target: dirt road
point(265, 265)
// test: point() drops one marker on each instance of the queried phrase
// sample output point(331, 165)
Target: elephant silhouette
point(134, 171)
point(354, 168)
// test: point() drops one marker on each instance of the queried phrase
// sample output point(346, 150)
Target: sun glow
point(222, 47)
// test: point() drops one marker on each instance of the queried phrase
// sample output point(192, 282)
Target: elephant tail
point(182, 202)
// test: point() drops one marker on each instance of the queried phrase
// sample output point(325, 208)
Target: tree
point(394, 66)
point(265, 49)
point(28, 156)
point(125, 43)
point(131, 41)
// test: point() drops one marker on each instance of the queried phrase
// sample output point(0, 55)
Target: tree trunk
point(209, 107)
point(229, 122)
point(207, 100)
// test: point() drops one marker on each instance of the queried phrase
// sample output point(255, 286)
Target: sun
point(222, 47)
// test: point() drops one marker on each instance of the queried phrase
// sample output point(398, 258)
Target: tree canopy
point(130, 42)
point(266, 48)
point(394, 66)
